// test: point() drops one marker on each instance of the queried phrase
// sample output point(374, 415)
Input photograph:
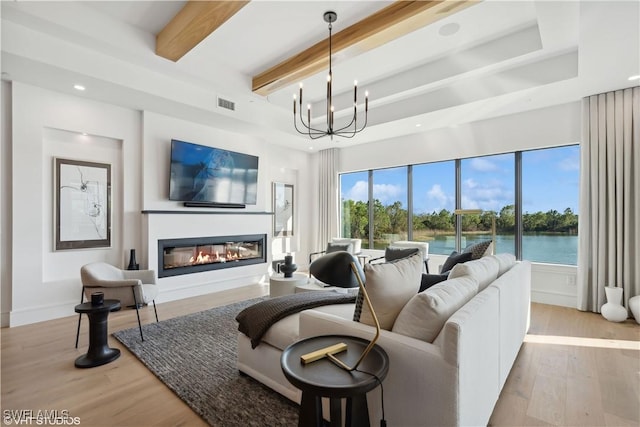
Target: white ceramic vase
point(634, 306)
point(613, 310)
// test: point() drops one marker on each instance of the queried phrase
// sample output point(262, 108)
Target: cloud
point(359, 192)
point(479, 164)
point(491, 195)
point(569, 164)
point(388, 193)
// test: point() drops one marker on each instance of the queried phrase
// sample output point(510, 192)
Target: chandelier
point(348, 131)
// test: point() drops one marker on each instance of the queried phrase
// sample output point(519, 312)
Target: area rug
point(195, 356)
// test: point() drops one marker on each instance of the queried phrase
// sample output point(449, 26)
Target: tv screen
point(211, 175)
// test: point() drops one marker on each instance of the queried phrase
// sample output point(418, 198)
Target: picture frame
point(283, 209)
point(82, 204)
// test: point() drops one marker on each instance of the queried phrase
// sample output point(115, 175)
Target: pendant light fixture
point(348, 131)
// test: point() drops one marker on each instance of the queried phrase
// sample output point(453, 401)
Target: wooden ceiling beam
point(195, 21)
point(390, 23)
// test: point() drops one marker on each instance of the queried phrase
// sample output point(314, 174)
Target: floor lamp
point(330, 351)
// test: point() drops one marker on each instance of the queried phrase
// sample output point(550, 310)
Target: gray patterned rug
point(195, 356)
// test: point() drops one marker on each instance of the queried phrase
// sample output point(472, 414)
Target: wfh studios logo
point(39, 417)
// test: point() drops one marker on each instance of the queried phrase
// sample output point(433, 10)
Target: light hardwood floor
point(574, 369)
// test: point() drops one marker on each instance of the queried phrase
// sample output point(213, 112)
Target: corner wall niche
point(198, 254)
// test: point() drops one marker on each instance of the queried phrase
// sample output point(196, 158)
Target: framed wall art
point(82, 204)
point(283, 209)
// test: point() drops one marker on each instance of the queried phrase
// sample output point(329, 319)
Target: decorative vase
point(132, 261)
point(288, 267)
point(634, 306)
point(613, 310)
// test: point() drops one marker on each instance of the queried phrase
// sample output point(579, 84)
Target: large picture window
point(354, 206)
point(418, 202)
point(434, 199)
point(488, 185)
point(550, 205)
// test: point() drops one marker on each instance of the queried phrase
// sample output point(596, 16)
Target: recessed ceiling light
point(84, 134)
point(418, 125)
point(449, 29)
point(636, 77)
point(78, 87)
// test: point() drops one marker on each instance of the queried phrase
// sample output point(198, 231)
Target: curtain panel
point(327, 196)
point(609, 225)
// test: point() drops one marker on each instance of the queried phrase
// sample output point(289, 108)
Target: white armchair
point(132, 287)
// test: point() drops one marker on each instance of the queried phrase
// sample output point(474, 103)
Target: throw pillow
point(336, 247)
point(478, 250)
point(428, 280)
point(389, 286)
point(455, 258)
point(392, 254)
point(424, 316)
point(484, 270)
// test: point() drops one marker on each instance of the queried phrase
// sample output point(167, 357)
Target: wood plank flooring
point(590, 378)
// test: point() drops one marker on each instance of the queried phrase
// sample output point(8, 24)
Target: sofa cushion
point(428, 280)
point(426, 313)
point(389, 286)
point(505, 262)
point(392, 254)
point(484, 270)
point(480, 249)
point(284, 332)
point(455, 258)
point(356, 244)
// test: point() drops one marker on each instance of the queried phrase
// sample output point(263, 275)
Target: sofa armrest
point(416, 369)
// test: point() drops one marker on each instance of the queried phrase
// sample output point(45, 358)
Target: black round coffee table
point(99, 352)
point(323, 378)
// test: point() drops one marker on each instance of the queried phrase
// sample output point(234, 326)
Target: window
point(488, 185)
point(354, 206)
point(434, 198)
point(546, 193)
point(389, 206)
point(550, 189)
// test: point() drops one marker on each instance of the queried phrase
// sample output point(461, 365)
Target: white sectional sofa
point(454, 380)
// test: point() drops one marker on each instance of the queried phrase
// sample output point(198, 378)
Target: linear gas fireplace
point(195, 255)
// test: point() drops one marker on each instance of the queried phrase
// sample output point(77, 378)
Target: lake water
point(546, 248)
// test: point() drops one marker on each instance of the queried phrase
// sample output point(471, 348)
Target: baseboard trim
point(554, 298)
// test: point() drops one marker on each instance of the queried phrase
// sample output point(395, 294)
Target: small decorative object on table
point(97, 298)
point(613, 310)
point(288, 267)
point(133, 265)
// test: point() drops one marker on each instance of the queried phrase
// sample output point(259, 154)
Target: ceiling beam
point(390, 23)
point(195, 21)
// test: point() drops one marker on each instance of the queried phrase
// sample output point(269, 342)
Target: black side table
point(323, 378)
point(99, 352)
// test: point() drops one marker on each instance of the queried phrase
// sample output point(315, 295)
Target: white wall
point(275, 164)
point(5, 203)
point(41, 284)
point(45, 284)
point(553, 126)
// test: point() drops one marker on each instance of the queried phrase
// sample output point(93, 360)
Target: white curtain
point(328, 196)
point(609, 225)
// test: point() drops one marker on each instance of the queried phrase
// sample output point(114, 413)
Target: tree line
point(393, 219)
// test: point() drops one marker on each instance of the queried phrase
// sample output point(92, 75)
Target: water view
point(545, 248)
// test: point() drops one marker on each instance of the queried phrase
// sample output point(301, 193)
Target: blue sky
point(549, 179)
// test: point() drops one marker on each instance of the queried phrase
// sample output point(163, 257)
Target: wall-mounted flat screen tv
point(206, 174)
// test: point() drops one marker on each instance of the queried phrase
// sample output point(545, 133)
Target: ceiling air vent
point(226, 104)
